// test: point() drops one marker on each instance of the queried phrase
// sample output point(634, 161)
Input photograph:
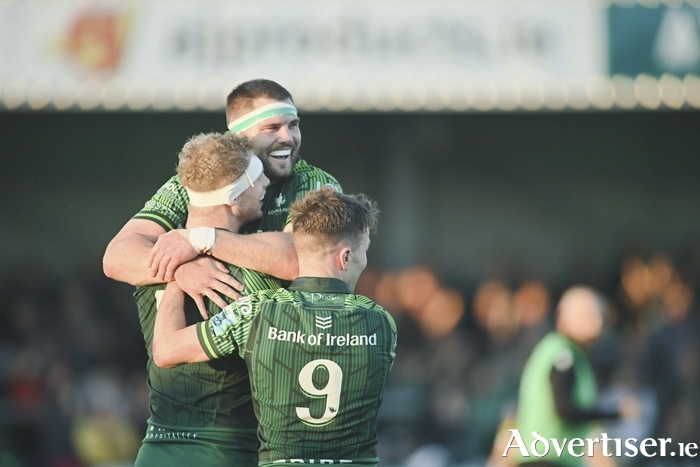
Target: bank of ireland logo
point(324, 323)
point(279, 201)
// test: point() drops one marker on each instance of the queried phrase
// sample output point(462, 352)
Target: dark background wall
point(545, 193)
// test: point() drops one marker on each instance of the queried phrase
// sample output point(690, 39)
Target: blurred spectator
point(531, 307)
point(102, 432)
point(493, 382)
point(558, 389)
point(672, 362)
point(52, 336)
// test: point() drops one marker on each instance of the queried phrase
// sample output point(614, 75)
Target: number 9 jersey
point(318, 357)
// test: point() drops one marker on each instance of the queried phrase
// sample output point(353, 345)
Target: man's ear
point(233, 206)
point(344, 255)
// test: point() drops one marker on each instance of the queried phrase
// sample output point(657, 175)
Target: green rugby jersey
point(168, 207)
point(280, 195)
point(208, 401)
point(319, 357)
point(536, 409)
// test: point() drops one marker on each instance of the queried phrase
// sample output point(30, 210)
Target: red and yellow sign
point(95, 39)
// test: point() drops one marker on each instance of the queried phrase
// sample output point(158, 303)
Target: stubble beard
point(251, 212)
point(274, 173)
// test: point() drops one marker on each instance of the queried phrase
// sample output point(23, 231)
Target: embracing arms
point(271, 253)
point(173, 341)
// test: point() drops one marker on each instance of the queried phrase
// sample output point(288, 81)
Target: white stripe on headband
point(228, 193)
point(261, 113)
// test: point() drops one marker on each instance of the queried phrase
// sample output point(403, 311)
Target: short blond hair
point(211, 160)
point(330, 217)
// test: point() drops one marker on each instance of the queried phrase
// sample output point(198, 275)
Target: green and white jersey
point(168, 207)
point(280, 195)
point(319, 357)
point(202, 401)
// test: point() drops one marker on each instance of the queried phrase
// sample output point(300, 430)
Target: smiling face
point(276, 141)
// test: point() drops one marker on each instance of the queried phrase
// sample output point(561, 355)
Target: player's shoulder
point(259, 297)
point(301, 167)
point(173, 183)
point(551, 346)
point(369, 305)
point(172, 189)
point(253, 281)
point(360, 301)
point(305, 171)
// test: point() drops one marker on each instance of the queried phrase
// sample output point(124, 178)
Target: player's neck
point(316, 268)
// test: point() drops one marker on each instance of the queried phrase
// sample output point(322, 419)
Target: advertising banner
point(335, 55)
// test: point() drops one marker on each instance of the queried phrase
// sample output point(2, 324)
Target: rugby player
point(202, 414)
point(264, 112)
point(318, 355)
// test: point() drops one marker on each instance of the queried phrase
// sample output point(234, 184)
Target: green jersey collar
point(320, 284)
point(301, 166)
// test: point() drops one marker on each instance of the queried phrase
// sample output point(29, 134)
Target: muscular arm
point(173, 341)
point(271, 253)
point(127, 260)
point(126, 257)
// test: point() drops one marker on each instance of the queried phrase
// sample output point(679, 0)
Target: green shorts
point(179, 447)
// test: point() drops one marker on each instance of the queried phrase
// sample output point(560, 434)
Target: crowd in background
point(72, 361)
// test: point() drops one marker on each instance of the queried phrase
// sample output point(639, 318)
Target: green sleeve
point(168, 207)
point(228, 331)
point(314, 180)
point(393, 333)
point(352, 300)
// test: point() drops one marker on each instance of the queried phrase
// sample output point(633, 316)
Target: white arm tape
point(202, 239)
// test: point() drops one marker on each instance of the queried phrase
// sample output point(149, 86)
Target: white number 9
point(331, 391)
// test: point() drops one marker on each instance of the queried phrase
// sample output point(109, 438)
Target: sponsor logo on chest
point(280, 206)
point(321, 338)
point(277, 211)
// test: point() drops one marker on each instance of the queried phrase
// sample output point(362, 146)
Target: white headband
point(261, 113)
point(228, 193)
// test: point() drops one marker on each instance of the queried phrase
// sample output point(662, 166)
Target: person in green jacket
point(558, 391)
